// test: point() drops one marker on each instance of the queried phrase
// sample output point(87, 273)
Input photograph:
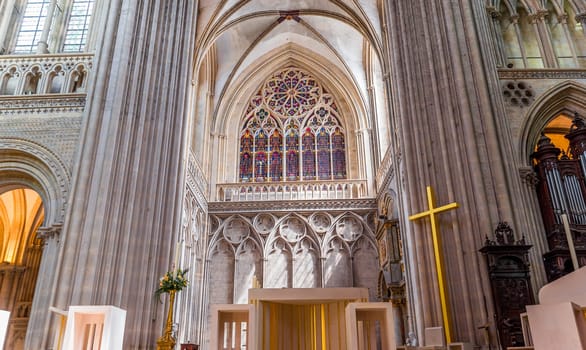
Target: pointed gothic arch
point(226, 120)
point(567, 97)
point(27, 164)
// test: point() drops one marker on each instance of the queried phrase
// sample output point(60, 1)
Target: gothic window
point(78, 26)
point(546, 34)
point(61, 24)
point(292, 131)
point(31, 27)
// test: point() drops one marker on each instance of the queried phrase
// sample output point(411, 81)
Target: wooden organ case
point(561, 189)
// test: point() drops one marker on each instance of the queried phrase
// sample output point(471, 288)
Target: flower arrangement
point(172, 281)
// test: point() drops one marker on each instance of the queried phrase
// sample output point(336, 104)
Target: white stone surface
point(4, 318)
point(96, 327)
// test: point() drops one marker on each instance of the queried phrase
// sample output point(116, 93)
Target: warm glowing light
point(21, 214)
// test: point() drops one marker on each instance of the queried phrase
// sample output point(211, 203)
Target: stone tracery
point(297, 250)
point(292, 131)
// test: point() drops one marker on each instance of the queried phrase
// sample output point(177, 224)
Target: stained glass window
point(292, 131)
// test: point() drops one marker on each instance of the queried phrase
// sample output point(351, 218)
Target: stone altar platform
point(304, 318)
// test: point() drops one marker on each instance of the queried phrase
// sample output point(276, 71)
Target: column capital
point(538, 16)
point(493, 12)
point(563, 18)
point(398, 294)
point(528, 176)
point(49, 232)
point(581, 17)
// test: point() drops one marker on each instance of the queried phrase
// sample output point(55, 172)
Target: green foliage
point(172, 280)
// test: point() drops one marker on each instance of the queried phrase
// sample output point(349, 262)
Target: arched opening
point(21, 214)
point(292, 131)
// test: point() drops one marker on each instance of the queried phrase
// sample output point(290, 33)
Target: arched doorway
point(21, 214)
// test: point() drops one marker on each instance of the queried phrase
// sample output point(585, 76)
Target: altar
point(304, 318)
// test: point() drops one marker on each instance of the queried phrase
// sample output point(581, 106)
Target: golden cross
point(432, 212)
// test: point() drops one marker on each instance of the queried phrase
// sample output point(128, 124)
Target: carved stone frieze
point(519, 74)
point(59, 134)
point(36, 104)
point(300, 205)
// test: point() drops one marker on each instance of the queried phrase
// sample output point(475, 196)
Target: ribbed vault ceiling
point(240, 33)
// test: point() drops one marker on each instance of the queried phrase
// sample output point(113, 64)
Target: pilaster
point(535, 233)
point(452, 144)
point(40, 330)
point(538, 19)
point(125, 212)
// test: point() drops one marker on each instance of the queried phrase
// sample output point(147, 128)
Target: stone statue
point(411, 339)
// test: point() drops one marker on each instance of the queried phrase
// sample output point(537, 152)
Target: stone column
point(450, 138)
point(515, 23)
point(535, 234)
point(563, 21)
point(497, 36)
point(398, 300)
point(542, 33)
point(363, 142)
point(42, 45)
point(39, 331)
point(4, 22)
point(125, 212)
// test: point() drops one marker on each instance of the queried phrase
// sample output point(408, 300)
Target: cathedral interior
point(290, 144)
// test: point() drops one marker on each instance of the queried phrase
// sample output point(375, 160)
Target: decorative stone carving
point(291, 206)
point(349, 228)
point(197, 182)
point(42, 104)
point(285, 249)
point(195, 227)
point(214, 224)
point(53, 231)
point(518, 93)
point(293, 229)
point(528, 176)
point(264, 223)
point(46, 67)
point(236, 231)
point(320, 222)
point(493, 12)
point(542, 73)
point(385, 173)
